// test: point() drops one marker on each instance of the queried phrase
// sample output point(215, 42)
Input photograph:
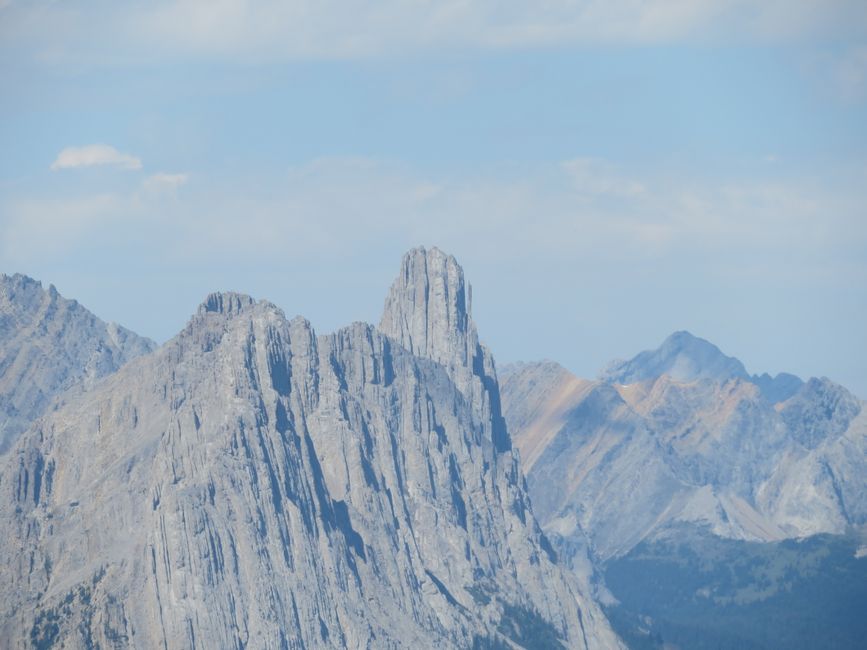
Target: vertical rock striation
point(428, 312)
point(253, 485)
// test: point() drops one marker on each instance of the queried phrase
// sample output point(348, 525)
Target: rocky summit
point(251, 484)
point(682, 356)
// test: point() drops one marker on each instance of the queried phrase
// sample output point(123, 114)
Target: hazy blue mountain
point(682, 356)
point(684, 434)
point(674, 488)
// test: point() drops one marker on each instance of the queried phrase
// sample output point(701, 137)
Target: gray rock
point(49, 344)
point(252, 484)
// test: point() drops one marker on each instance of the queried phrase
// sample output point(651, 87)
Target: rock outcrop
point(49, 344)
point(253, 485)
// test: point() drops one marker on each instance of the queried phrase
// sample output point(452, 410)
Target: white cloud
point(331, 29)
point(92, 155)
point(583, 207)
point(165, 181)
point(683, 248)
point(334, 29)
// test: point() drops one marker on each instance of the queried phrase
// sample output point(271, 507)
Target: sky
point(606, 172)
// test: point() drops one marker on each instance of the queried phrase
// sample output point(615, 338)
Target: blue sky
point(606, 172)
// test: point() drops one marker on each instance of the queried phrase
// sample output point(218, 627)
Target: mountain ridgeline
point(683, 433)
point(48, 345)
point(252, 484)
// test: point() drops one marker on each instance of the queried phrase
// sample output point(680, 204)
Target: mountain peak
point(682, 356)
point(226, 302)
point(683, 338)
point(17, 279)
point(428, 308)
point(428, 313)
point(22, 291)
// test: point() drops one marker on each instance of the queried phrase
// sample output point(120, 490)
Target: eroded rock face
point(683, 434)
point(428, 311)
point(252, 484)
point(49, 344)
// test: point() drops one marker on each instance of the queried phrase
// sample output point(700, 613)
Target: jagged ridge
point(252, 484)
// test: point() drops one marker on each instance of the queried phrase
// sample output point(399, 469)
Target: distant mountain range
point(684, 358)
point(683, 433)
point(671, 483)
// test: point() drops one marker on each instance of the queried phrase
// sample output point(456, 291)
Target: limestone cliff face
point(428, 311)
point(253, 485)
point(49, 344)
point(690, 438)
